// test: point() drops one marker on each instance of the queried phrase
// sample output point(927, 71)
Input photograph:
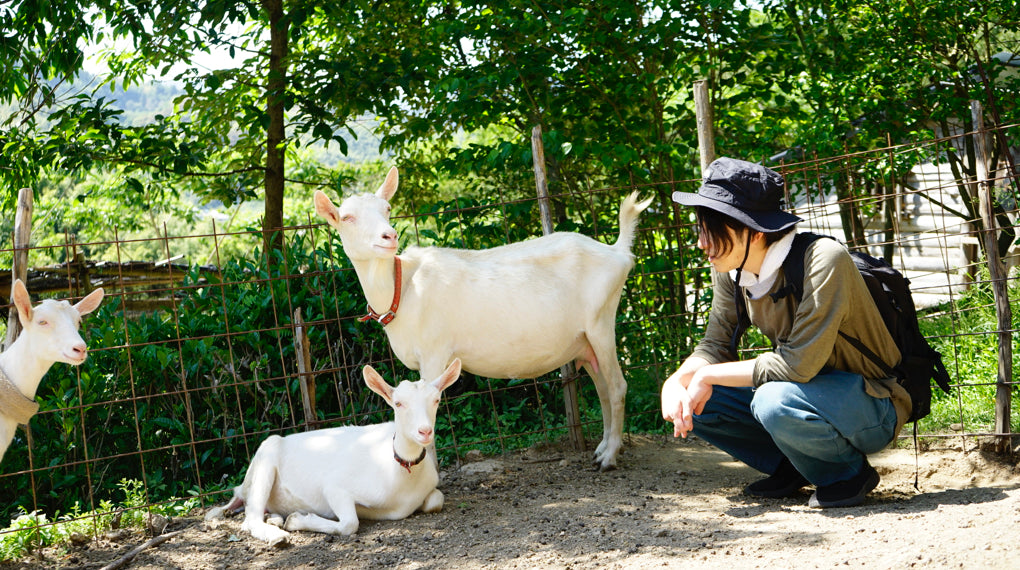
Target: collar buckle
point(383, 319)
point(387, 317)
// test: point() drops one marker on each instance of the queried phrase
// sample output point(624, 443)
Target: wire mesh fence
point(191, 366)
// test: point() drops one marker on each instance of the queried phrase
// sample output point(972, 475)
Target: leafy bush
point(31, 532)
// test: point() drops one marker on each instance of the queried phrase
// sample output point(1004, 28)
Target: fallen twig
point(525, 459)
point(155, 541)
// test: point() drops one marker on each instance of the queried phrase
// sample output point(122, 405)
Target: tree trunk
point(849, 213)
point(276, 86)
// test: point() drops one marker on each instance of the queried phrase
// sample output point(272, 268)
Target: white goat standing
point(49, 334)
point(324, 480)
point(514, 311)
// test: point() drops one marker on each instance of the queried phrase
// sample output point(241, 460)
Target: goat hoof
point(269, 534)
point(291, 524)
point(604, 461)
point(280, 542)
point(275, 520)
point(604, 464)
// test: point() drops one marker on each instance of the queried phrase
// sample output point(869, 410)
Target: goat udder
point(588, 358)
point(235, 505)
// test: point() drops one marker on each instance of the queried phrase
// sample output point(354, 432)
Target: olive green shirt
point(805, 335)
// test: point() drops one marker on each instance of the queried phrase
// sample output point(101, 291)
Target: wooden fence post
point(703, 117)
point(997, 273)
point(305, 377)
point(19, 268)
point(567, 371)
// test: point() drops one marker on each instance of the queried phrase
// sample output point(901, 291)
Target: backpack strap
point(793, 266)
point(860, 346)
point(793, 269)
point(743, 321)
point(941, 374)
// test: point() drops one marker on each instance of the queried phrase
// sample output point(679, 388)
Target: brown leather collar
point(385, 318)
point(405, 463)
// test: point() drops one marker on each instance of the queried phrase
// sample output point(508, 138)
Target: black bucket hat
point(747, 192)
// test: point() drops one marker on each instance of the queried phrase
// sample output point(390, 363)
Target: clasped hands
point(684, 394)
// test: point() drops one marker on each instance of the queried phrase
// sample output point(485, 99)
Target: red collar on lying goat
point(405, 463)
point(385, 318)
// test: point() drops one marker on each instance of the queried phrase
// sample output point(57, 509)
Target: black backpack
point(891, 291)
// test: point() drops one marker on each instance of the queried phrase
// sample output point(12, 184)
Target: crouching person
point(811, 410)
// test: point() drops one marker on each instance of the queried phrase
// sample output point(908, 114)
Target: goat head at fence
point(514, 311)
point(49, 334)
point(325, 480)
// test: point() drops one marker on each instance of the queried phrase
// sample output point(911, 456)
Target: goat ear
point(389, 186)
point(449, 376)
point(90, 302)
point(325, 208)
point(377, 384)
point(19, 293)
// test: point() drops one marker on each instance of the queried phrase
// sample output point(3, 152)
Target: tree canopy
point(456, 87)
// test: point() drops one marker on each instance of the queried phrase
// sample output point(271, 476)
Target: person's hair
point(714, 224)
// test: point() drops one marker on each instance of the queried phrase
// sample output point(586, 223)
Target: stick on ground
point(155, 541)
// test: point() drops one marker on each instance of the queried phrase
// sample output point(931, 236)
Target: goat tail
point(630, 209)
point(235, 504)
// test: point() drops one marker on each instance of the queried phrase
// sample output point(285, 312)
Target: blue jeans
point(825, 427)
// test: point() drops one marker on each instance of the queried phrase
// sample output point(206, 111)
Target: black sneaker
point(847, 493)
point(785, 482)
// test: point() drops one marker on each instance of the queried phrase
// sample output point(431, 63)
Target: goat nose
point(425, 431)
point(389, 235)
point(79, 349)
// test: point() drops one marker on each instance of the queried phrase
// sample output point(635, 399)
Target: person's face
point(720, 260)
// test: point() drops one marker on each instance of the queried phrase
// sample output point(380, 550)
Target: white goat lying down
point(324, 480)
point(49, 334)
point(515, 311)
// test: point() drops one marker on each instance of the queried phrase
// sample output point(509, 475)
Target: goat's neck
point(23, 367)
point(376, 278)
point(406, 448)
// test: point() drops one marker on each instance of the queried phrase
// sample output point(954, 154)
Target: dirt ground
point(671, 503)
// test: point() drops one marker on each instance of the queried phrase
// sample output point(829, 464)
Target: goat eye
point(43, 323)
point(347, 218)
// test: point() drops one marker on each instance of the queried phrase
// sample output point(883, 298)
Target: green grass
point(971, 354)
point(29, 533)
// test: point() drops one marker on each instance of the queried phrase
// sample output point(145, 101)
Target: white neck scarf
point(759, 285)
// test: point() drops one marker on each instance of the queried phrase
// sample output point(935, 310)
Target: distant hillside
point(141, 104)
